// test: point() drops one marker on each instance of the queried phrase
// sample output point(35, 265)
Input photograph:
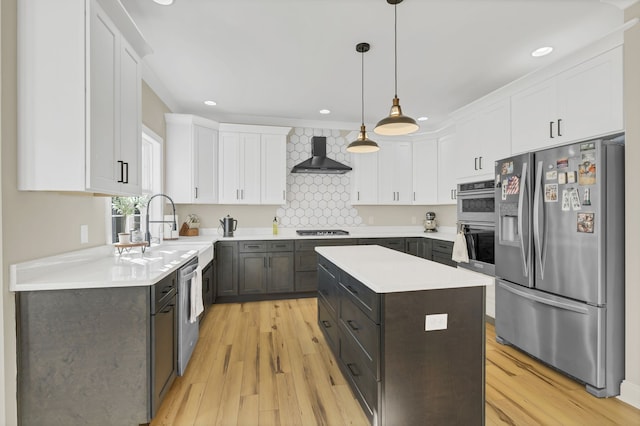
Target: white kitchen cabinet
point(395, 174)
point(582, 102)
point(425, 172)
point(364, 178)
point(448, 155)
point(483, 138)
point(192, 166)
point(250, 160)
point(79, 98)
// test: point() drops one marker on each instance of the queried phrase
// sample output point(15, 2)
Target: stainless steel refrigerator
point(559, 259)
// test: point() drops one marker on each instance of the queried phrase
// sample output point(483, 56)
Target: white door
point(274, 169)
point(469, 140)
point(364, 178)
point(496, 137)
point(425, 172)
point(229, 168)
point(130, 118)
point(533, 117)
point(205, 165)
point(447, 157)
point(250, 175)
point(403, 172)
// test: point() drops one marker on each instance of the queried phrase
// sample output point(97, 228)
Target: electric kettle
point(229, 225)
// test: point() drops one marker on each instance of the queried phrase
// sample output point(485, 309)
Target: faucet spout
point(147, 235)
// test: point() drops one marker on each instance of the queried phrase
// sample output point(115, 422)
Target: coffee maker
point(430, 222)
point(229, 225)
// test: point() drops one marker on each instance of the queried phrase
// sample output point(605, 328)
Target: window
point(151, 182)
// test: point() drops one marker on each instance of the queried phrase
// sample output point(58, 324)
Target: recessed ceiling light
point(423, 118)
point(164, 2)
point(325, 111)
point(210, 103)
point(542, 51)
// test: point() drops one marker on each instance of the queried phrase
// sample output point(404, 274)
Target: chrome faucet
point(147, 235)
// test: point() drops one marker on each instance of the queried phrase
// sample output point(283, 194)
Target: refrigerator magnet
point(552, 175)
point(504, 190)
point(562, 163)
point(565, 200)
point(571, 177)
point(513, 185)
point(575, 199)
point(507, 167)
point(551, 193)
point(588, 146)
point(562, 178)
point(587, 173)
point(586, 222)
point(586, 197)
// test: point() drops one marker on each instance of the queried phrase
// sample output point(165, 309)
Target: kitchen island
point(408, 334)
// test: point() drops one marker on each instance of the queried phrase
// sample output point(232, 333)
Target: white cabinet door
point(425, 172)
point(205, 142)
point(590, 98)
point(533, 113)
point(447, 157)
point(395, 174)
point(250, 174)
point(364, 178)
point(274, 169)
point(228, 168)
point(468, 137)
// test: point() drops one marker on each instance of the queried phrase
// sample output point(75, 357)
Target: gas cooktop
point(320, 232)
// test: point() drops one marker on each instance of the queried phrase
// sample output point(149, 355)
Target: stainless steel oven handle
point(536, 219)
point(523, 179)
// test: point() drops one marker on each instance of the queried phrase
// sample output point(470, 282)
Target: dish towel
point(195, 296)
point(460, 253)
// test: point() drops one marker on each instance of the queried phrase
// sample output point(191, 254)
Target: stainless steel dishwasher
point(164, 320)
point(187, 331)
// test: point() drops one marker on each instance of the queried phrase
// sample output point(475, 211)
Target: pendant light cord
point(395, 49)
point(362, 88)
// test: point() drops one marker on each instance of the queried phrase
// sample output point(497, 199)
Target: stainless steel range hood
point(319, 162)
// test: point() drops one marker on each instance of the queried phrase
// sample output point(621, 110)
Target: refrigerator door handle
point(536, 219)
point(560, 305)
point(525, 266)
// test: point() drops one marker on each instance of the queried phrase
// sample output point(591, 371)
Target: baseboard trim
point(490, 320)
point(630, 393)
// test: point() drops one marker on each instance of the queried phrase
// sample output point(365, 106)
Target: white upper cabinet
point(364, 178)
point(395, 172)
point(252, 164)
point(192, 166)
point(79, 98)
point(582, 102)
point(425, 172)
point(482, 138)
point(447, 157)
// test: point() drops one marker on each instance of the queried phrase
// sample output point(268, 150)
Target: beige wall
point(153, 111)
point(631, 385)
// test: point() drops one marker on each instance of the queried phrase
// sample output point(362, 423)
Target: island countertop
point(389, 271)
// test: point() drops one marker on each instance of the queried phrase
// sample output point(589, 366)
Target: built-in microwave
point(476, 202)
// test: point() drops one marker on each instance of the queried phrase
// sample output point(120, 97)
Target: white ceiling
point(269, 61)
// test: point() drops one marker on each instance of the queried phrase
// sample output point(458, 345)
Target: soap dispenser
point(275, 225)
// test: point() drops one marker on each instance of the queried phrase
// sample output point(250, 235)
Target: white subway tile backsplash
point(317, 200)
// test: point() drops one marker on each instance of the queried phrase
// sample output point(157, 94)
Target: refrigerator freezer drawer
point(563, 333)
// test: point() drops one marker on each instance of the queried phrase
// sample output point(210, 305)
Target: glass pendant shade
point(363, 144)
point(396, 123)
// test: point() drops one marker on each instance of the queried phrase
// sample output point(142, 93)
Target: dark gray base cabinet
point(400, 373)
point(226, 268)
point(442, 251)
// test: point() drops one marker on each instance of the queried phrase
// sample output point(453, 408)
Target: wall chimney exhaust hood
point(319, 163)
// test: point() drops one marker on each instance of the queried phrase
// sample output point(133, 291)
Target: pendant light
point(363, 143)
point(396, 123)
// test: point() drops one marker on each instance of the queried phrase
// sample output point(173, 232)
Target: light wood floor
point(266, 363)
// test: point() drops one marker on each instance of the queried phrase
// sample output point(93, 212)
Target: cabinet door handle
point(237, 194)
point(353, 369)
point(353, 325)
point(196, 192)
point(264, 262)
point(168, 309)
point(121, 180)
point(126, 168)
point(352, 290)
point(480, 163)
point(270, 262)
point(166, 290)
point(242, 194)
point(284, 195)
point(414, 195)
point(455, 194)
point(326, 324)
point(475, 163)
point(551, 129)
point(358, 196)
point(451, 194)
point(559, 131)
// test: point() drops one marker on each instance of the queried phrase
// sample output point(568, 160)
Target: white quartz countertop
point(388, 271)
point(100, 267)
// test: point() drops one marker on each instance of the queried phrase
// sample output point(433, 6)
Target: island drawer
point(327, 322)
point(365, 298)
point(252, 246)
point(364, 332)
point(354, 365)
point(280, 245)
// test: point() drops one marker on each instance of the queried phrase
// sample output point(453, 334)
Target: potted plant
point(127, 207)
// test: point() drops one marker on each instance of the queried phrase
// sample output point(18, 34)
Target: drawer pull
point(352, 290)
point(280, 245)
point(353, 369)
point(353, 325)
point(166, 289)
point(253, 246)
point(326, 324)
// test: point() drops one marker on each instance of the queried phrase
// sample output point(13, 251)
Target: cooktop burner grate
point(320, 232)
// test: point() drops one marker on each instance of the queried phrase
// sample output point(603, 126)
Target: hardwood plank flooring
point(267, 363)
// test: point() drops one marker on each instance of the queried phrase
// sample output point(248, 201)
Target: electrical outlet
point(435, 322)
point(84, 234)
